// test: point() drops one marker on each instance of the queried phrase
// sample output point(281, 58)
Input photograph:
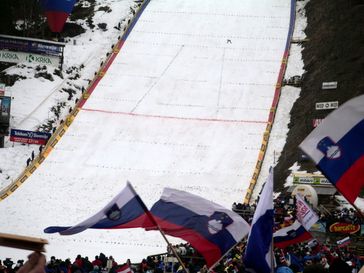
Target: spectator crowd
point(303, 257)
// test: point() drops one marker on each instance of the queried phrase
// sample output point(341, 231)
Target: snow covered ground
point(185, 105)
point(34, 97)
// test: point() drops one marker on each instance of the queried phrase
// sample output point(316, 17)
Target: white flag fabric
point(126, 210)
point(304, 213)
point(210, 228)
point(258, 256)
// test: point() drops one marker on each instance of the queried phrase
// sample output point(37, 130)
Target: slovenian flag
point(57, 12)
point(343, 242)
point(299, 230)
point(123, 269)
point(304, 213)
point(126, 210)
point(290, 235)
point(258, 255)
point(337, 147)
point(210, 228)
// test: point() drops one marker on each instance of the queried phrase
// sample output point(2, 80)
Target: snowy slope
point(34, 97)
point(184, 105)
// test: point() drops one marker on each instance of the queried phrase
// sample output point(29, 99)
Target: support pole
point(150, 216)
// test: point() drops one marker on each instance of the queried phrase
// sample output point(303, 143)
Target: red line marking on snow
point(176, 118)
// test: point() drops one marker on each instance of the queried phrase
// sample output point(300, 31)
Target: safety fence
point(273, 109)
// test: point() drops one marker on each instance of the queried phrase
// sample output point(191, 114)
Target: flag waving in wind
point(305, 213)
point(290, 235)
point(210, 228)
point(298, 231)
point(124, 269)
point(337, 147)
point(126, 210)
point(258, 255)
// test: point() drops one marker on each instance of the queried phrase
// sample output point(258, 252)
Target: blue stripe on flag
point(352, 148)
point(58, 5)
point(190, 220)
point(261, 235)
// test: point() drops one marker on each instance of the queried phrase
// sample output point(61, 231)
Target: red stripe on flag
point(207, 249)
point(352, 181)
point(56, 20)
point(124, 269)
point(303, 237)
point(141, 221)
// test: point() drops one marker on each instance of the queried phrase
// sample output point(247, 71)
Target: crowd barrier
point(273, 109)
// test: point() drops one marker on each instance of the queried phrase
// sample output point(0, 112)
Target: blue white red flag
point(57, 12)
point(304, 213)
point(124, 269)
point(292, 234)
point(258, 256)
point(126, 210)
point(343, 242)
point(210, 228)
point(337, 147)
point(299, 230)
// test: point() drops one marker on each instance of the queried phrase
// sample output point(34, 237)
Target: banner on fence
point(29, 137)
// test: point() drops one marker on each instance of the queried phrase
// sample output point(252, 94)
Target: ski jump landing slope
point(184, 105)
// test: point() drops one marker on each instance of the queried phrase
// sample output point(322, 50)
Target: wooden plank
point(22, 242)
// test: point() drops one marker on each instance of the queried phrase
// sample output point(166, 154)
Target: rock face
point(334, 52)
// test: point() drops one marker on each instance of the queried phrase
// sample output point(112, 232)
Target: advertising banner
point(344, 228)
point(31, 45)
point(327, 105)
point(5, 103)
point(21, 57)
point(329, 85)
point(29, 137)
point(310, 179)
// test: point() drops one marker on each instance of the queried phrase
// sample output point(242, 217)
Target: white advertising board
point(329, 85)
point(327, 105)
point(22, 57)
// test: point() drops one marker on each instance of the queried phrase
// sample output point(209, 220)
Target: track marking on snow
point(218, 14)
point(176, 118)
point(220, 107)
point(220, 81)
point(164, 33)
point(161, 76)
point(143, 42)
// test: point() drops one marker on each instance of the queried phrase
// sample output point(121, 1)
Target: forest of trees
point(22, 18)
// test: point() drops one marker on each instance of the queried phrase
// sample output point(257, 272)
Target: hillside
point(334, 52)
point(175, 108)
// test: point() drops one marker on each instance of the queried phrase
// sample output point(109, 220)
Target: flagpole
point(169, 244)
point(212, 267)
point(358, 210)
point(272, 255)
point(150, 216)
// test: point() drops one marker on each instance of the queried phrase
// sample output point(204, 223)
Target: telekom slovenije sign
point(29, 137)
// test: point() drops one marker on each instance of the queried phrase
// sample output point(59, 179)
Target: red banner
point(344, 228)
point(28, 140)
